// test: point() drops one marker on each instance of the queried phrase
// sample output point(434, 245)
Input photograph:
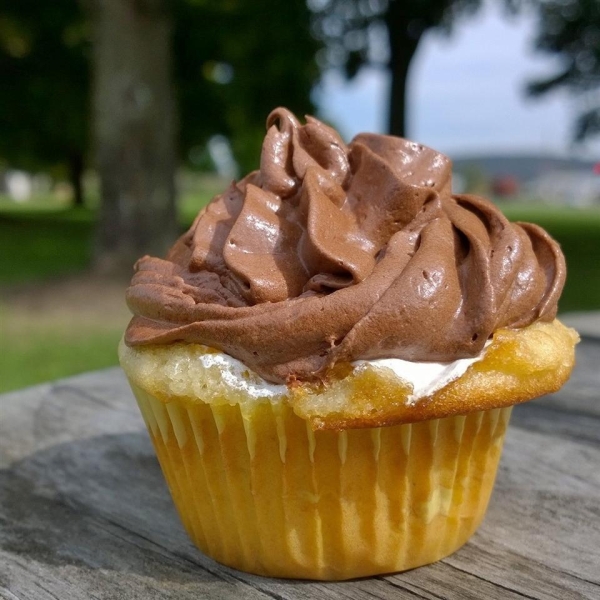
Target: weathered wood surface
point(85, 514)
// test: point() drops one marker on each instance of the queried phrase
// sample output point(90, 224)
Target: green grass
point(42, 244)
point(46, 239)
point(48, 353)
point(578, 232)
point(42, 241)
point(39, 242)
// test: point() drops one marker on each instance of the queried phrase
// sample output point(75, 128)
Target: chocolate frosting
point(332, 253)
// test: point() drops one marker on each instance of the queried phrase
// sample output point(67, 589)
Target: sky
point(466, 93)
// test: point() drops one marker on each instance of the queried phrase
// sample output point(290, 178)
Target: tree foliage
point(234, 62)
point(570, 29)
point(382, 33)
point(211, 66)
point(44, 54)
point(387, 33)
point(358, 32)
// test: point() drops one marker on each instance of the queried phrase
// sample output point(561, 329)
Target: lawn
point(47, 353)
point(39, 244)
point(46, 239)
point(578, 231)
point(52, 329)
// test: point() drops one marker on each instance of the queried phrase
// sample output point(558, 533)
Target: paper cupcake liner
point(258, 490)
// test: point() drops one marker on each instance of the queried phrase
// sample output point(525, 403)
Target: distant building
point(505, 186)
point(18, 185)
point(569, 181)
point(571, 187)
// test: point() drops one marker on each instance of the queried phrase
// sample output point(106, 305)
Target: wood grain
point(85, 514)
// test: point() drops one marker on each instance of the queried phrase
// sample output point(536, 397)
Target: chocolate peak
point(334, 253)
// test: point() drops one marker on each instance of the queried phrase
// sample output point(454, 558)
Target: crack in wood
point(61, 386)
point(224, 577)
point(6, 594)
point(494, 583)
point(395, 585)
point(541, 566)
point(267, 592)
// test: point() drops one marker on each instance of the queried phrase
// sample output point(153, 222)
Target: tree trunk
point(404, 35)
point(76, 177)
point(134, 122)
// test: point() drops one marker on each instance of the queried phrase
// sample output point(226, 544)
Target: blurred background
point(120, 119)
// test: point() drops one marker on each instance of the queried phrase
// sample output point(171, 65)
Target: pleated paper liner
point(258, 490)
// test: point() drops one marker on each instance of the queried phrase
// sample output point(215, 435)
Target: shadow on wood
point(85, 513)
point(78, 504)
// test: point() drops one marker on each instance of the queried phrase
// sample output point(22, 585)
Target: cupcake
point(327, 360)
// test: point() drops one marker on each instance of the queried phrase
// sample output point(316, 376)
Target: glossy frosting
point(332, 253)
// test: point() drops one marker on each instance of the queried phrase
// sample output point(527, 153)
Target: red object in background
point(597, 168)
point(505, 185)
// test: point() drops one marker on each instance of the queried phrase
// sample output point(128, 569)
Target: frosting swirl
point(332, 253)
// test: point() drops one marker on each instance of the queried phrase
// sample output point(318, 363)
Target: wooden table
point(85, 514)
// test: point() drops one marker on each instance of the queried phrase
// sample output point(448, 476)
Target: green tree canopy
point(168, 75)
point(570, 30)
point(387, 33)
point(383, 33)
point(44, 49)
point(233, 62)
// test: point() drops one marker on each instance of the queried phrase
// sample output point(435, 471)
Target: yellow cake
point(286, 488)
point(327, 361)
